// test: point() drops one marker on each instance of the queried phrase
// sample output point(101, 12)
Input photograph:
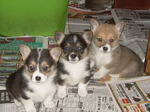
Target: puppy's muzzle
point(73, 56)
point(105, 48)
point(38, 78)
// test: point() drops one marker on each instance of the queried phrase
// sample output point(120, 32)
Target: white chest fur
point(102, 58)
point(99, 57)
point(41, 91)
point(77, 71)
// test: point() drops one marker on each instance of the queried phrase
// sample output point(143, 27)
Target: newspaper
point(137, 24)
point(98, 100)
point(131, 95)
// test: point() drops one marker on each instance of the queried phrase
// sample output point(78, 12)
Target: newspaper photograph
point(131, 95)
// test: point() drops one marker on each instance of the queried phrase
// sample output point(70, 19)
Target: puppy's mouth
point(106, 48)
point(73, 58)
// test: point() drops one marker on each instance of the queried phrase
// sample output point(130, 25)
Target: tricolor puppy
point(111, 57)
point(34, 81)
point(74, 64)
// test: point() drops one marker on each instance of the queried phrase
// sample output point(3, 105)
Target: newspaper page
point(131, 95)
point(137, 24)
point(98, 99)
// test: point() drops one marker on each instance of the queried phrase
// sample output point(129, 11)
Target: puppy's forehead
point(106, 31)
point(45, 57)
point(73, 39)
point(38, 56)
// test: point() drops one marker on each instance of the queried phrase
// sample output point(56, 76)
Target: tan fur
point(106, 32)
point(43, 64)
point(120, 60)
point(63, 55)
point(47, 72)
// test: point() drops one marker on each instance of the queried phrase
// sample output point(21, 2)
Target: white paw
point(82, 92)
point(17, 103)
point(31, 110)
point(97, 75)
point(49, 104)
point(62, 94)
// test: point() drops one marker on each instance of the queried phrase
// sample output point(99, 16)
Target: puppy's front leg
point(101, 72)
point(48, 103)
point(17, 102)
point(82, 89)
point(28, 105)
point(61, 91)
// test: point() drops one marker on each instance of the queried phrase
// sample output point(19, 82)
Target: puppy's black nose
point(73, 56)
point(38, 78)
point(105, 48)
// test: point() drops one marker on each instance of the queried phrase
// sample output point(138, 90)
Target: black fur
point(60, 70)
point(16, 84)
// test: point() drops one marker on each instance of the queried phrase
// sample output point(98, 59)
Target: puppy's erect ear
point(119, 26)
point(59, 37)
point(55, 53)
point(25, 51)
point(88, 36)
point(94, 24)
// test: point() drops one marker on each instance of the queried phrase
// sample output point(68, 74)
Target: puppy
point(110, 57)
point(34, 81)
point(74, 64)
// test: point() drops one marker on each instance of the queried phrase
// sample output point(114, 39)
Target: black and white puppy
point(74, 64)
point(34, 81)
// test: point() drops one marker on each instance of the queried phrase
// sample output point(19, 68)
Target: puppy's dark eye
point(111, 40)
point(67, 48)
point(45, 68)
point(100, 39)
point(31, 68)
point(80, 48)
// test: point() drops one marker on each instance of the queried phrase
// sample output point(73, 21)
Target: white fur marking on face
point(74, 38)
point(109, 49)
point(39, 53)
point(37, 73)
point(76, 59)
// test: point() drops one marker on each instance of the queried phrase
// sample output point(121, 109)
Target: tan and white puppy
point(110, 57)
point(34, 81)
